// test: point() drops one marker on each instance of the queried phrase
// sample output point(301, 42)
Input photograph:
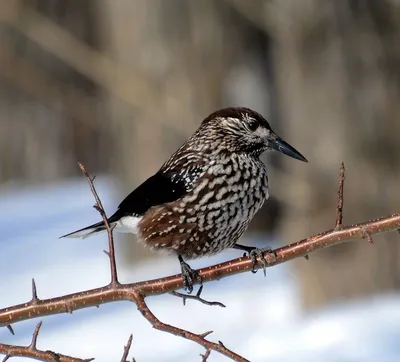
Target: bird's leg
point(188, 275)
point(254, 252)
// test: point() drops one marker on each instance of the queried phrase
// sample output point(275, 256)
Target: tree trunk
point(338, 86)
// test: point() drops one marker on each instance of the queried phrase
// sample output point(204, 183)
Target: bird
point(204, 196)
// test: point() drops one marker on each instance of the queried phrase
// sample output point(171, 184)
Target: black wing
point(158, 189)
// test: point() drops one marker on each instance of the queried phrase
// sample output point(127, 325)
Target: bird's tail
point(87, 231)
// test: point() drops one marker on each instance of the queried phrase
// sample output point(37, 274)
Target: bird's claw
point(188, 276)
point(260, 253)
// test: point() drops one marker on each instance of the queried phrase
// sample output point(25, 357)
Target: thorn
point(10, 328)
point(205, 334)
point(68, 308)
point(398, 231)
point(366, 234)
point(306, 257)
point(106, 252)
point(98, 208)
point(205, 355)
point(339, 207)
point(92, 178)
point(34, 292)
point(221, 344)
point(32, 346)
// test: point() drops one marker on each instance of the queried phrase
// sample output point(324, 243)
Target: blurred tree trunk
point(50, 117)
point(338, 86)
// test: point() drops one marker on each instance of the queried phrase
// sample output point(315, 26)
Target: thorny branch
point(137, 292)
point(197, 297)
point(126, 350)
point(34, 353)
point(99, 207)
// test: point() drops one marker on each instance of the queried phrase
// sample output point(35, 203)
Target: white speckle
point(206, 197)
point(221, 192)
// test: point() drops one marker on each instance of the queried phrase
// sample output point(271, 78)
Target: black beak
point(280, 145)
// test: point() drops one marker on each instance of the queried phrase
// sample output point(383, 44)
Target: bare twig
point(204, 357)
point(100, 209)
point(198, 338)
point(126, 349)
point(196, 297)
point(367, 235)
point(339, 207)
point(34, 353)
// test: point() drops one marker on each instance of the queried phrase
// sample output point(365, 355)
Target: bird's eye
point(253, 124)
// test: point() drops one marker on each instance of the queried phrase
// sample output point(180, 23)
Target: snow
point(263, 320)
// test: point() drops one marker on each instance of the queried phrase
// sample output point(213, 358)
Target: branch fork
point(138, 292)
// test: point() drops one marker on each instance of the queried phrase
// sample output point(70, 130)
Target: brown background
point(118, 85)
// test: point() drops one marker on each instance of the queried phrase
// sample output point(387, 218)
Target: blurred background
point(119, 84)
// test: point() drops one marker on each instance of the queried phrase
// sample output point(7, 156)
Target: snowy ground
point(262, 320)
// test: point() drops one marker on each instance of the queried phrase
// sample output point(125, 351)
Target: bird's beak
point(280, 145)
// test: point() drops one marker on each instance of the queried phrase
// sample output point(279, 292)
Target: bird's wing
point(163, 187)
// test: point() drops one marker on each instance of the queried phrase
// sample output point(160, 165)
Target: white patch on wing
point(127, 224)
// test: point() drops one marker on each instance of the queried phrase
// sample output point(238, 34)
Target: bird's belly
point(204, 224)
point(233, 220)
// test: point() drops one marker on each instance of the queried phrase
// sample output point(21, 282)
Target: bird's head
point(243, 130)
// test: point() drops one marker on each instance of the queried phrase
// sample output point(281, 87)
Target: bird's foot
point(188, 275)
point(256, 252)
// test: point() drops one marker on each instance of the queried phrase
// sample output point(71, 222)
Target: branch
point(204, 357)
point(198, 338)
point(99, 207)
point(339, 207)
point(197, 297)
point(137, 292)
point(34, 353)
point(126, 350)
